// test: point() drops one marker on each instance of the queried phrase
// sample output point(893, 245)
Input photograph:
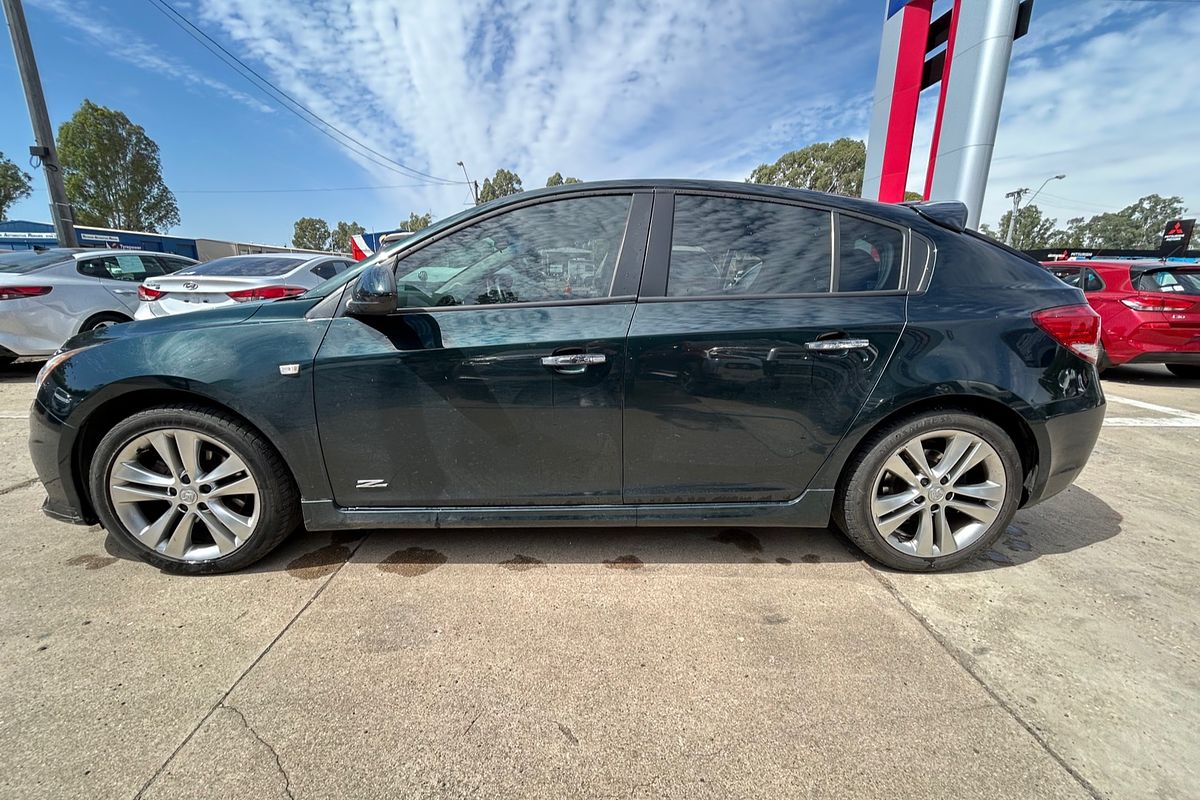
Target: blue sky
point(1102, 90)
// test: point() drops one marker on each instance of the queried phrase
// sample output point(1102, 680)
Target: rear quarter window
point(870, 256)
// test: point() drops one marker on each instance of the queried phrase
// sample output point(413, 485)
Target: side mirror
point(374, 292)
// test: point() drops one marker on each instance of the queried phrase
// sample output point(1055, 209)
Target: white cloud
point(125, 45)
point(596, 90)
point(1108, 97)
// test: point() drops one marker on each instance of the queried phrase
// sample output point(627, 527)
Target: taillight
point(17, 292)
point(1157, 303)
point(266, 293)
point(1076, 328)
point(146, 293)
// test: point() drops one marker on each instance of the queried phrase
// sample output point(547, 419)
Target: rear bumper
point(50, 450)
point(1065, 443)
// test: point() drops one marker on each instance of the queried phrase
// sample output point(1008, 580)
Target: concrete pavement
point(632, 663)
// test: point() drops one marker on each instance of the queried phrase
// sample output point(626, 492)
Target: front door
point(750, 354)
point(500, 379)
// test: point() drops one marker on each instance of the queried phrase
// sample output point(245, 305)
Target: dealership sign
point(1176, 237)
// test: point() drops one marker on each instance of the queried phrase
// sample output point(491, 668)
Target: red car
point(1149, 310)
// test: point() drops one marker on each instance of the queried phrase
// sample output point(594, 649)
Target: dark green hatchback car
point(626, 353)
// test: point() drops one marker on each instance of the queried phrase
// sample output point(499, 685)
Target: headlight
point(53, 362)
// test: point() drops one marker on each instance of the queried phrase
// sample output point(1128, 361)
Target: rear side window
point(326, 270)
point(869, 256)
point(1069, 276)
point(724, 246)
point(1175, 281)
point(133, 269)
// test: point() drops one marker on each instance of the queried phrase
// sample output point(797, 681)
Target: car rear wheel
point(192, 490)
point(1185, 370)
point(931, 491)
point(101, 321)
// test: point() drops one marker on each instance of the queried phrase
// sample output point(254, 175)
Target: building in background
point(16, 234)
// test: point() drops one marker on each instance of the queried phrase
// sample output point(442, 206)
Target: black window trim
point(630, 254)
point(658, 255)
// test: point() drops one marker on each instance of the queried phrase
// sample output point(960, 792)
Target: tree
point(310, 233)
point(558, 180)
point(835, 167)
point(14, 185)
point(112, 172)
point(502, 184)
point(339, 239)
point(1033, 231)
point(1135, 227)
point(416, 222)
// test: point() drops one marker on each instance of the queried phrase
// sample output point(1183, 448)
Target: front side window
point(561, 250)
point(725, 246)
point(869, 256)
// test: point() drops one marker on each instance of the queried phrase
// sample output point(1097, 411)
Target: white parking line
point(13, 415)
point(1175, 417)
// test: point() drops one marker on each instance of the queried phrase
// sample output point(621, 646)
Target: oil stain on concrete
point(520, 563)
point(624, 562)
point(743, 540)
point(91, 561)
point(412, 561)
point(318, 563)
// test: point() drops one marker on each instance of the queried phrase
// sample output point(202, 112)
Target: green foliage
point(416, 222)
point(502, 184)
point(558, 180)
point(310, 233)
point(913, 197)
point(339, 238)
point(14, 185)
point(1135, 227)
point(835, 167)
point(112, 172)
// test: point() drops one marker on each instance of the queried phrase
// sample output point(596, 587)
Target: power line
point(298, 190)
point(286, 100)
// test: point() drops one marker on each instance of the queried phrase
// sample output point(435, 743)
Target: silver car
point(236, 279)
point(48, 296)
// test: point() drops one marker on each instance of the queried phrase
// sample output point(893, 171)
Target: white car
point(48, 296)
point(236, 279)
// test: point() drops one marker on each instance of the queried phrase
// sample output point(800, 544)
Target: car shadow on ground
point(1071, 521)
point(1146, 375)
point(20, 372)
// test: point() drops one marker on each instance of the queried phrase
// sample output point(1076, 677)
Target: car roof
point(895, 212)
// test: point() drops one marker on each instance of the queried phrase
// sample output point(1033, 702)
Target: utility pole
point(473, 184)
point(1015, 195)
point(60, 209)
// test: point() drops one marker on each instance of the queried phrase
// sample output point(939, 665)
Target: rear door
point(760, 330)
point(501, 385)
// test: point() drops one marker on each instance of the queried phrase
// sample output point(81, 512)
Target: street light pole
point(60, 209)
point(1043, 186)
point(474, 186)
point(1015, 195)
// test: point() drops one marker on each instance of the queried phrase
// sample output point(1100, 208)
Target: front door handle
point(836, 345)
point(580, 361)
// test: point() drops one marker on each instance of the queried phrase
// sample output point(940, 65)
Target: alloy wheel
point(938, 493)
point(184, 494)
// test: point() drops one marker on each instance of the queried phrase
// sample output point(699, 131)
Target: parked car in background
point(236, 279)
point(834, 359)
point(1149, 310)
point(48, 296)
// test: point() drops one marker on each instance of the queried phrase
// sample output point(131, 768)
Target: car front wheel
point(192, 490)
point(931, 491)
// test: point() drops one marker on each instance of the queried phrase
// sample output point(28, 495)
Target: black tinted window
point(869, 257)
point(1175, 281)
point(562, 250)
point(1070, 276)
point(1092, 282)
point(731, 246)
point(327, 270)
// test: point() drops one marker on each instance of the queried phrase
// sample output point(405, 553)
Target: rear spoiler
point(947, 213)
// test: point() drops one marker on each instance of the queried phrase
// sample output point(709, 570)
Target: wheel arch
point(103, 417)
point(996, 411)
point(99, 315)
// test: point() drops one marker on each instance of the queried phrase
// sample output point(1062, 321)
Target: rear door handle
point(835, 345)
point(574, 360)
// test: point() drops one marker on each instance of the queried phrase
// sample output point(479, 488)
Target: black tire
point(1103, 364)
point(852, 506)
point(1191, 371)
point(100, 320)
point(279, 499)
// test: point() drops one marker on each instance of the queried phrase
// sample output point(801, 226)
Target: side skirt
point(810, 510)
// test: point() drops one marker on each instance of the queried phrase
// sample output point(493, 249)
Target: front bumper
point(50, 448)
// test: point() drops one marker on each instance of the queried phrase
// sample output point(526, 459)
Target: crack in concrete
point(17, 486)
point(287, 781)
point(221, 702)
point(966, 662)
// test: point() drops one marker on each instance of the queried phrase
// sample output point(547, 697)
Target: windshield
point(1177, 281)
point(245, 266)
point(28, 260)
